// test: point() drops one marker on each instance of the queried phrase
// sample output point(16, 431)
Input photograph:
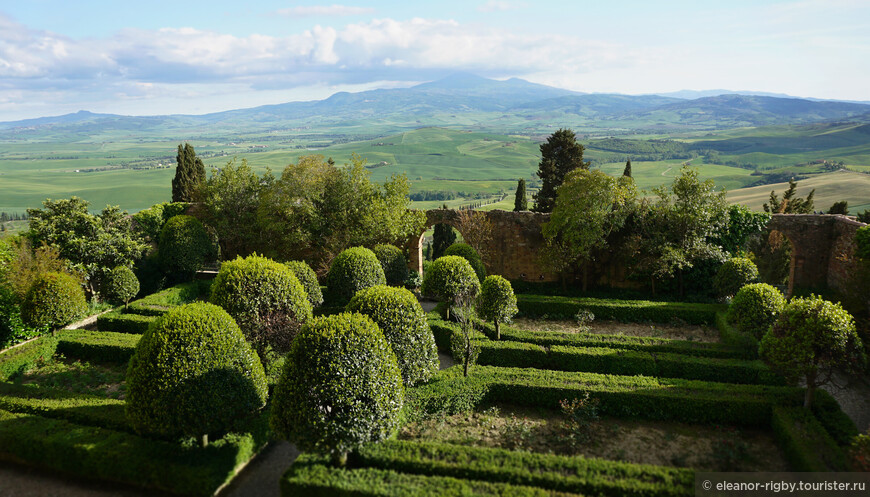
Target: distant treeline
point(12, 216)
point(444, 195)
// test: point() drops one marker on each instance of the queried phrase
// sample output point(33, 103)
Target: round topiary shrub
point(734, 274)
point(393, 262)
point(497, 302)
point(754, 308)
point(121, 285)
point(351, 271)
point(185, 246)
point(341, 387)
point(450, 278)
point(467, 252)
point(266, 300)
point(53, 301)
point(193, 374)
point(399, 315)
point(308, 278)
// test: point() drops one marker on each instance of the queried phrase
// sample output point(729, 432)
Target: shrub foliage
point(399, 315)
point(54, 300)
point(121, 285)
point(184, 246)
point(308, 278)
point(193, 374)
point(754, 308)
point(351, 271)
point(733, 274)
point(497, 302)
point(468, 253)
point(393, 262)
point(450, 277)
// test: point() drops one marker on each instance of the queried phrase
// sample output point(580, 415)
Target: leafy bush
point(124, 323)
point(755, 308)
point(185, 246)
point(121, 285)
point(811, 338)
point(414, 280)
point(340, 389)
point(265, 298)
point(393, 262)
point(497, 302)
point(468, 253)
point(862, 242)
point(12, 329)
point(450, 277)
point(193, 374)
point(308, 278)
point(399, 315)
point(733, 275)
point(859, 453)
point(53, 301)
point(351, 271)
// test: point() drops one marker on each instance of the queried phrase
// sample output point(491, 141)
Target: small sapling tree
point(121, 285)
point(461, 344)
point(497, 302)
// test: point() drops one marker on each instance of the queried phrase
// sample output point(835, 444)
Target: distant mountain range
point(479, 100)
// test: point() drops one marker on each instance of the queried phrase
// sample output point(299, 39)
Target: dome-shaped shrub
point(193, 374)
point(497, 302)
point(265, 298)
point(734, 274)
point(450, 277)
point(54, 300)
point(351, 271)
point(341, 387)
point(308, 278)
point(754, 308)
point(399, 315)
point(467, 252)
point(121, 285)
point(393, 262)
point(185, 246)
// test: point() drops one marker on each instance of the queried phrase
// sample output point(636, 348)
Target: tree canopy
point(560, 154)
point(520, 201)
point(189, 174)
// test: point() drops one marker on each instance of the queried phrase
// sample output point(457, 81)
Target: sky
point(195, 57)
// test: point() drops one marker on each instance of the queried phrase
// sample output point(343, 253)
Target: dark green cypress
point(189, 174)
point(560, 154)
point(520, 202)
point(627, 170)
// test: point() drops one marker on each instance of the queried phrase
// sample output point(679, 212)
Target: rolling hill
point(851, 186)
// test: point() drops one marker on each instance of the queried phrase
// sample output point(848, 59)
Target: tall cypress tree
point(560, 154)
point(627, 170)
point(189, 174)
point(520, 202)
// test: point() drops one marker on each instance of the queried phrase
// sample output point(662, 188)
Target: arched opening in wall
point(772, 252)
point(432, 243)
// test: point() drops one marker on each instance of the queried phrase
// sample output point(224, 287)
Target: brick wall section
point(823, 253)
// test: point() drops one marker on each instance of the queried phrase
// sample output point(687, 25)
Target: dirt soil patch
point(689, 332)
point(663, 443)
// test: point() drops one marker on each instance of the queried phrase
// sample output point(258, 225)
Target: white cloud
point(500, 6)
point(325, 10)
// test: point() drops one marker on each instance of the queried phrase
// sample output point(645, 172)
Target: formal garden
point(258, 309)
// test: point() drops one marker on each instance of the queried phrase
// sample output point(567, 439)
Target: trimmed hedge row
point(590, 476)
point(118, 456)
point(315, 477)
point(91, 410)
point(17, 359)
point(97, 346)
point(158, 303)
point(633, 311)
point(124, 323)
point(806, 443)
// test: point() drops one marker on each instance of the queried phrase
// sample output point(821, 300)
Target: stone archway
point(822, 248)
point(513, 250)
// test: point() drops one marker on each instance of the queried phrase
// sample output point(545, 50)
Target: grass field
point(831, 187)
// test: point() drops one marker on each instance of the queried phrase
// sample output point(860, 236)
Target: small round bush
point(185, 246)
point(393, 262)
point(734, 274)
point(351, 271)
point(862, 242)
point(341, 387)
point(265, 298)
point(450, 276)
point(53, 301)
point(754, 308)
point(193, 374)
point(399, 315)
point(121, 285)
point(308, 278)
point(497, 302)
point(467, 252)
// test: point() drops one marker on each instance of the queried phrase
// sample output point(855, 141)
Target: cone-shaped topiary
point(184, 246)
point(497, 302)
point(193, 374)
point(53, 301)
point(733, 274)
point(265, 298)
point(351, 271)
point(754, 308)
point(399, 315)
point(341, 387)
point(308, 278)
point(467, 252)
point(393, 262)
point(121, 285)
point(450, 277)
